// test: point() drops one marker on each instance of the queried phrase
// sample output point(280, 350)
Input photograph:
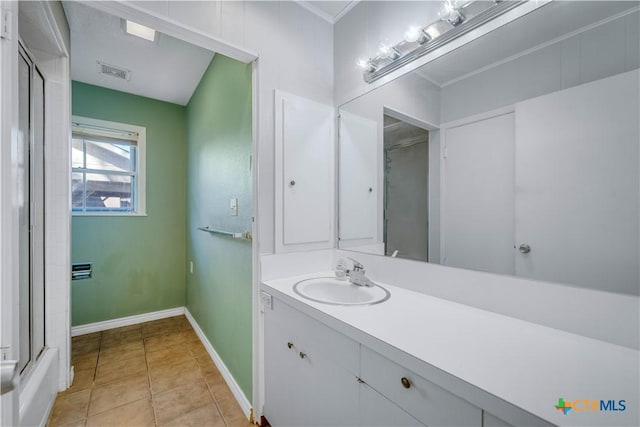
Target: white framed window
point(107, 168)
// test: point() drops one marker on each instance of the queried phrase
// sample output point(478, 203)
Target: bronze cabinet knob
point(405, 382)
point(302, 355)
point(289, 344)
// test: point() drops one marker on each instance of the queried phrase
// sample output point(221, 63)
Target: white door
point(30, 202)
point(478, 195)
point(358, 157)
point(9, 341)
point(577, 185)
point(304, 174)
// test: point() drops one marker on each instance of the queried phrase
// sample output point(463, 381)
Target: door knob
point(524, 248)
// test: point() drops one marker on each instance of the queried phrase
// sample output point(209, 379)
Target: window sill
point(114, 215)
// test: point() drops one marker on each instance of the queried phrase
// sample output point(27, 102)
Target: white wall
point(295, 49)
point(600, 52)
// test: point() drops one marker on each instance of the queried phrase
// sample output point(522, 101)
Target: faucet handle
point(356, 265)
point(341, 269)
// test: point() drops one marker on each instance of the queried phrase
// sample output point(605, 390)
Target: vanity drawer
point(428, 403)
point(313, 338)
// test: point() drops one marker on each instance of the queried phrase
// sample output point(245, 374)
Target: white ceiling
point(329, 10)
point(167, 69)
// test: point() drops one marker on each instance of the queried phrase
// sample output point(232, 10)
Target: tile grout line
point(93, 381)
point(215, 402)
point(147, 345)
point(151, 396)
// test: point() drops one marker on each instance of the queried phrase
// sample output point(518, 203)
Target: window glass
point(77, 153)
point(108, 192)
point(109, 156)
point(105, 171)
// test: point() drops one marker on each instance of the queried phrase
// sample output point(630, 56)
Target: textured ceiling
point(167, 69)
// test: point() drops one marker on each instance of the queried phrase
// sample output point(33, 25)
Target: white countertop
point(528, 365)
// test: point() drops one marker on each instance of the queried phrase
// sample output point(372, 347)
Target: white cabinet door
point(310, 371)
point(377, 410)
point(283, 372)
point(358, 154)
point(478, 195)
point(304, 174)
point(577, 184)
point(427, 402)
point(490, 420)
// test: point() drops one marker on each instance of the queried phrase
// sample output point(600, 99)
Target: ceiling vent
point(113, 71)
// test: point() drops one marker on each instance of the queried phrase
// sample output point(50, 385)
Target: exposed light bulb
point(412, 34)
point(366, 65)
point(384, 49)
point(416, 34)
point(450, 11)
point(388, 51)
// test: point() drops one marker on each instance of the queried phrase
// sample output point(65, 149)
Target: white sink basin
point(329, 290)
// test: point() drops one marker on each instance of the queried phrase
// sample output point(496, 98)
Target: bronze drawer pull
point(405, 382)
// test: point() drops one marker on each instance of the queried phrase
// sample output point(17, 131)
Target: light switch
point(234, 207)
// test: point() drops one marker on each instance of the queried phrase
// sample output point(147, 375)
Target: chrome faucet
point(356, 275)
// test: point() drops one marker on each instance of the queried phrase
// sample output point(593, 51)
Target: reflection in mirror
point(406, 179)
point(517, 153)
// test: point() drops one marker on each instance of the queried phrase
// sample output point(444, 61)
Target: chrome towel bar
point(241, 235)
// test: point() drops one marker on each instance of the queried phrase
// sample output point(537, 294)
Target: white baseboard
point(231, 382)
point(125, 321)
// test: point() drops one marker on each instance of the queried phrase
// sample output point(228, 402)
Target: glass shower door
point(31, 212)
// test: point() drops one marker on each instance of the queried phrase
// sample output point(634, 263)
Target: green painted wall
point(218, 169)
point(138, 262)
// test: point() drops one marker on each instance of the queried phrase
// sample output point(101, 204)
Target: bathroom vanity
point(508, 168)
point(418, 360)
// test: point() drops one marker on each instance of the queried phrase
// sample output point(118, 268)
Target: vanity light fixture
point(457, 17)
point(139, 30)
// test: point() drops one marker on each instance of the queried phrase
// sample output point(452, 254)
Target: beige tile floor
point(153, 374)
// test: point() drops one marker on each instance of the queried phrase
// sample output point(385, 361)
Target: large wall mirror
point(517, 153)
